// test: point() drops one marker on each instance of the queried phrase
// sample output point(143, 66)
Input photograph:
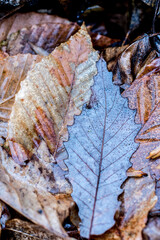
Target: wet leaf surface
point(100, 157)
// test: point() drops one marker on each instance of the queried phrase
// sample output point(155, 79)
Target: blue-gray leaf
point(100, 145)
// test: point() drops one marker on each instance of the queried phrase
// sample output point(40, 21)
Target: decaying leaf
point(50, 95)
point(25, 20)
point(12, 71)
point(111, 55)
point(132, 59)
point(145, 93)
point(23, 230)
point(45, 35)
point(100, 146)
point(38, 191)
point(139, 197)
point(143, 96)
point(135, 173)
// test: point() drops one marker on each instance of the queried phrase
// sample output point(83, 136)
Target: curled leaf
point(100, 145)
point(128, 64)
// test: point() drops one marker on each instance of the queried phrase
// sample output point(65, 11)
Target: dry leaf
point(12, 71)
point(100, 145)
point(135, 173)
point(139, 197)
point(25, 20)
point(132, 59)
point(45, 35)
point(39, 189)
point(50, 95)
point(143, 94)
point(23, 230)
point(111, 55)
point(100, 41)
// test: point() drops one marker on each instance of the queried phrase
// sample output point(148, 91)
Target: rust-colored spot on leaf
point(19, 153)
point(45, 128)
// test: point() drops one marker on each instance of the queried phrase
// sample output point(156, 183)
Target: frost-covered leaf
point(52, 93)
point(100, 146)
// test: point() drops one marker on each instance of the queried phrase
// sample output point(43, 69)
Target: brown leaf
point(145, 94)
point(50, 95)
point(12, 71)
point(131, 172)
point(26, 20)
point(139, 197)
point(131, 60)
point(38, 191)
point(47, 36)
point(111, 54)
point(101, 42)
point(23, 230)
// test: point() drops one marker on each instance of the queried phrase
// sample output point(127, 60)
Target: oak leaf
point(100, 145)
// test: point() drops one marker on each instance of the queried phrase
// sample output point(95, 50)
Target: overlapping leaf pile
point(40, 97)
point(143, 95)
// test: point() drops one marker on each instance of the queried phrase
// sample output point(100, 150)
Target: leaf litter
point(139, 77)
point(39, 190)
